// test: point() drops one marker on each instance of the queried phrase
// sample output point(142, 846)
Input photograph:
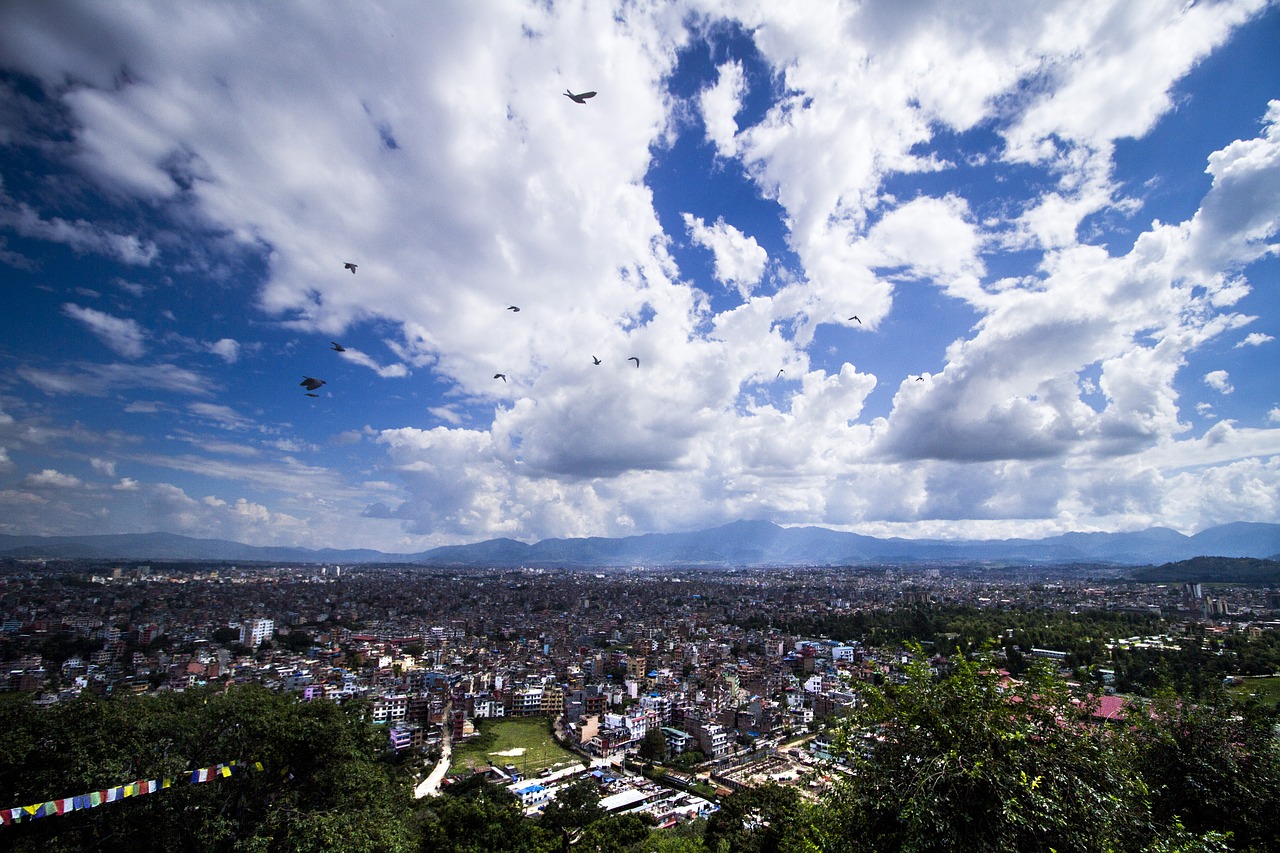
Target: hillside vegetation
point(969, 762)
point(1239, 570)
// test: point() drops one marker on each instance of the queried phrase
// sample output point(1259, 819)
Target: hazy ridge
point(741, 543)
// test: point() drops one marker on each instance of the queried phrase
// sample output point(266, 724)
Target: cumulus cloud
point(1238, 218)
point(123, 336)
point(1254, 339)
point(227, 349)
point(1219, 381)
point(459, 203)
point(720, 104)
point(739, 259)
point(51, 479)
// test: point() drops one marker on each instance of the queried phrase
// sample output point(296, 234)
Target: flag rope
point(93, 799)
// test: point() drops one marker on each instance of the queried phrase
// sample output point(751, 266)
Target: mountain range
point(740, 543)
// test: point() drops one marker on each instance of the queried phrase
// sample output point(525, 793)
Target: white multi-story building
point(390, 709)
point(253, 632)
point(526, 703)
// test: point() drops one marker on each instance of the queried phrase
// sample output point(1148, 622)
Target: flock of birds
point(312, 384)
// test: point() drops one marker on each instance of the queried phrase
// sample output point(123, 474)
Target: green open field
point(1267, 689)
point(527, 743)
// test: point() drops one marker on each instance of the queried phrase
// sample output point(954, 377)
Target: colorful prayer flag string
point(93, 799)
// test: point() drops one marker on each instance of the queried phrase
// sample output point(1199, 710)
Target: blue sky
point(1056, 222)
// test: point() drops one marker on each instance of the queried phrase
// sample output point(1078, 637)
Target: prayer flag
point(95, 799)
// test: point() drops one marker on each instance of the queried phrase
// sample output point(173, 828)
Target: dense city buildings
point(708, 664)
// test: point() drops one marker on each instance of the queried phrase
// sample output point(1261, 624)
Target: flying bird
point(580, 98)
point(309, 394)
point(350, 266)
point(919, 378)
point(501, 376)
point(780, 372)
point(311, 384)
point(513, 308)
point(636, 360)
point(337, 347)
point(855, 317)
point(595, 360)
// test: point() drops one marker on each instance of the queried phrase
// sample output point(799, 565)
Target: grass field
point(527, 743)
point(1267, 689)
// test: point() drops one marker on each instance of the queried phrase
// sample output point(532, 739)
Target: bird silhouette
point(337, 347)
point(350, 266)
point(580, 98)
point(310, 383)
point(309, 394)
point(780, 372)
point(513, 308)
point(595, 360)
point(855, 317)
point(919, 378)
point(501, 376)
point(636, 360)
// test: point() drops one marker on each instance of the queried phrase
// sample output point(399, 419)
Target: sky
point(900, 267)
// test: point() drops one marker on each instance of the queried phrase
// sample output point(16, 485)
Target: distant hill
point(741, 543)
point(170, 546)
point(1241, 570)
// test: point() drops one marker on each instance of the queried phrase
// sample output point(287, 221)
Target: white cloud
point(103, 466)
point(51, 479)
point(1219, 381)
point(388, 371)
point(720, 103)
point(227, 349)
point(81, 236)
point(739, 259)
point(1239, 217)
point(224, 416)
point(123, 336)
point(1254, 339)
point(499, 192)
point(99, 380)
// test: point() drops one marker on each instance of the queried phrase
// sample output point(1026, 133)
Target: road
point(430, 786)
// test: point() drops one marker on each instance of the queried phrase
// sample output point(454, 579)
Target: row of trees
point(963, 762)
point(1195, 668)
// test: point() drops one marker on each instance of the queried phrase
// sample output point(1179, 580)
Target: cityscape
point(703, 656)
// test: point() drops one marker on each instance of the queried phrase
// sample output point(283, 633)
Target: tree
point(326, 782)
point(613, 834)
point(1211, 765)
point(479, 817)
point(764, 819)
point(575, 806)
point(654, 745)
point(966, 762)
